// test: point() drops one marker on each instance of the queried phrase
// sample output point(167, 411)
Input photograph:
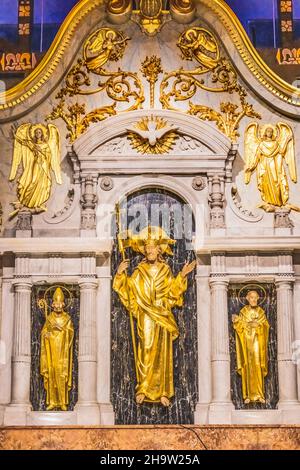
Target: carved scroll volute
point(119, 11)
point(183, 11)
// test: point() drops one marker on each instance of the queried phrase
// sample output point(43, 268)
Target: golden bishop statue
point(149, 295)
point(57, 354)
point(252, 334)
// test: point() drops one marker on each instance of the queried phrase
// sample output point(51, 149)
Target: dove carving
point(152, 136)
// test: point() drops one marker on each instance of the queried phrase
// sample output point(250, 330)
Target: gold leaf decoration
point(152, 136)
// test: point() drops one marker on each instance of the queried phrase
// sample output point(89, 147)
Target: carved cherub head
point(253, 298)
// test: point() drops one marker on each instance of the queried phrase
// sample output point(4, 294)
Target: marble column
point(204, 349)
point(16, 412)
point(104, 343)
point(221, 405)
point(87, 407)
point(287, 373)
point(296, 344)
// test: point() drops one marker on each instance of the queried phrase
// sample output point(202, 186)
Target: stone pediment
point(105, 146)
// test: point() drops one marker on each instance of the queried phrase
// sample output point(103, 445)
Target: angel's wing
point(251, 144)
point(54, 145)
point(139, 132)
point(286, 141)
point(21, 151)
point(97, 44)
point(159, 133)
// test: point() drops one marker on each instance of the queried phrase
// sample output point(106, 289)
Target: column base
point(201, 413)
point(88, 414)
point(290, 411)
point(16, 415)
point(107, 415)
point(288, 405)
point(220, 413)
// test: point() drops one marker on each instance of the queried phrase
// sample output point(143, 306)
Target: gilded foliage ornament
point(213, 74)
point(103, 46)
point(228, 118)
point(151, 68)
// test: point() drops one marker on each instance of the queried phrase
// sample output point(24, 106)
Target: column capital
point(88, 283)
point(218, 280)
point(22, 284)
point(284, 279)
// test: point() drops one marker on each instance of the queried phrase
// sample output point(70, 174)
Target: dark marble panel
point(37, 391)
point(271, 381)
point(123, 379)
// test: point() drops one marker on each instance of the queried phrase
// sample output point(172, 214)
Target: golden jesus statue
point(57, 354)
point(149, 295)
point(252, 333)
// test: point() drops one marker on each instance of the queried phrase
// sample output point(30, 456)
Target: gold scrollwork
point(200, 45)
point(151, 68)
point(103, 46)
point(228, 118)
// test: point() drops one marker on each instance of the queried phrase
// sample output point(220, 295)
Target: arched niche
point(123, 380)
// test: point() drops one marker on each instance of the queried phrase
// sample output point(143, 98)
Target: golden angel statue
point(197, 43)
point(102, 46)
point(267, 150)
point(252, 334)
point(149, 296)
point(57, 354)
point(37, 149)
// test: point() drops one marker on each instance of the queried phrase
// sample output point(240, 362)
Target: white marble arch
point(212, 158)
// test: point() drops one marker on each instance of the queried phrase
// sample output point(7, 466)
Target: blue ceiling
point(56, 10)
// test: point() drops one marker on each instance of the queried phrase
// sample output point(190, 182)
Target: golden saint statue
point(57, 354)
point(252, 333)
point(149, 295)
point(38, 148)
point(266, 150)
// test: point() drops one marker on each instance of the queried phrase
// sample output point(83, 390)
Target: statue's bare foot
point(50, 407)
point(140, 398)
point(64, 408)
point(262, 400)
point(247, 401)
point(165, 401)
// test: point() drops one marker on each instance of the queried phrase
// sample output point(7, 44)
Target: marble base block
point(220, 413)
point(88, 414)
point(201, 413)
point(52, 418)
point(107, 415)
point(16, 415)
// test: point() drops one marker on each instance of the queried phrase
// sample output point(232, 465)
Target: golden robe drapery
point(57, 358)
point(271, 175)
point(35, 183)
point(150, 294)
point(252, 333)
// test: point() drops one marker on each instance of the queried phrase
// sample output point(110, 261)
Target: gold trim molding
point(41, 74)
point(265, 75)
